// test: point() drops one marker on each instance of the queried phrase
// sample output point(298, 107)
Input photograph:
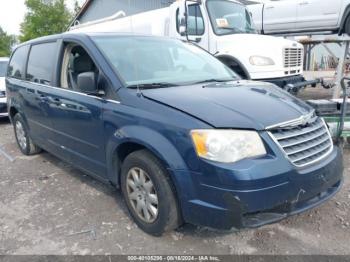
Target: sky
point(12, 14)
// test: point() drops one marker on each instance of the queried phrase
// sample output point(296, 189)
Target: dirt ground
point(48, 207)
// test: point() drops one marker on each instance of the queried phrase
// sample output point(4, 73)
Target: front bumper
point(3, 107)
point(292, 83)
point(256, 202)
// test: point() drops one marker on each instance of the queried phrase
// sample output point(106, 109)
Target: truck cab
point(222, 27)
point(225, 28)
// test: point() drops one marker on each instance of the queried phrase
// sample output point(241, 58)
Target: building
point(97, 9)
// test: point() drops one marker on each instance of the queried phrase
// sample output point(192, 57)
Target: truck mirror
point(182, 19)
point(182, 30)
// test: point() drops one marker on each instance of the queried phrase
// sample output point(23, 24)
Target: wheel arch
point(344, 18)
point(227, 58)
point(118, 148)
point(12, 112)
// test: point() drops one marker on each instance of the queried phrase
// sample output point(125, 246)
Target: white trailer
point(222, 27)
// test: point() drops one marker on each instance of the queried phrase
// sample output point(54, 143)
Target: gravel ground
point(48, 207)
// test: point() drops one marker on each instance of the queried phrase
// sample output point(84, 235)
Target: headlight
point(261, 61)
point(227, 146)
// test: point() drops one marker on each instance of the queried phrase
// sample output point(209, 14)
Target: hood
point(2, 84)
point(254, 44)
point(239, 104)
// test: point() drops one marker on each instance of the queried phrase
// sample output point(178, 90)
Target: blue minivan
point(183, 137)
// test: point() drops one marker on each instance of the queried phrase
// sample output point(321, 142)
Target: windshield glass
point(229, 17)
point(3, 67)
point(148, 60)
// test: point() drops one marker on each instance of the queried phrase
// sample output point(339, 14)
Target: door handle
point(55, 101)
point(43, 98)
point(50, 100)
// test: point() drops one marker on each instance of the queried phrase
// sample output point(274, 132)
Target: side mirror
point(182, 30)
point(87, 83)
point(182, 19)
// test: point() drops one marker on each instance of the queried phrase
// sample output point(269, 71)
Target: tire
point(235, 67)
point(347, 26)
point(24, 142)
point(167, 215)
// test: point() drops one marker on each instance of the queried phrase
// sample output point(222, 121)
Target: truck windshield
point(3, 67)
point(229, 17)
point(160, 62)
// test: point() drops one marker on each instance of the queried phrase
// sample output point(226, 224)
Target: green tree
point(44, 17)
point(6, 43)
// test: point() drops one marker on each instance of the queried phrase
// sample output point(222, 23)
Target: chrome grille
point(293, 57)
point(304, 145)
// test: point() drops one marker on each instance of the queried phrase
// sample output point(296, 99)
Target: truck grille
point(293, 57)
point(304, 145)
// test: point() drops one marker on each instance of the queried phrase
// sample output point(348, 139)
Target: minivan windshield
point(229, 17)
point(161, 62)
point(3, 67)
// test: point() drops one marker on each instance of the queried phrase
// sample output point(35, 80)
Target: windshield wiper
point(151, 85)
point(214, 80)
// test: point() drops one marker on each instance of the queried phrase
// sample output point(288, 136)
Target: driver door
point(76, 116)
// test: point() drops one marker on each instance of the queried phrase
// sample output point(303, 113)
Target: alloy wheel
point(21, 135)
point(142, 194)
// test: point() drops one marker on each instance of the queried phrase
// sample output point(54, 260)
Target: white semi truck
point(225, 29)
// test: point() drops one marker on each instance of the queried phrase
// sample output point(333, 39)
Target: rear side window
point(17, 63)
point(41, 62)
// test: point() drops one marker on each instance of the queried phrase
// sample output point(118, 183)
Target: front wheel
point(24, 142)
point(149, 193)
point(347, 26)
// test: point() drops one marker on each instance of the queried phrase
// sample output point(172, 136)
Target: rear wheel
point(149, 193)
point(24, 142)
point(347, 26)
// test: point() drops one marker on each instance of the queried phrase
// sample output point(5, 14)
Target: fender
point(343, 20)
point(165, 150)
point(12, 103)
point(229, 57)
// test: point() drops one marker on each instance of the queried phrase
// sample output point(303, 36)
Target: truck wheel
point(149, 194)
point(24, 142)
point(347, 26)
point(234, 66)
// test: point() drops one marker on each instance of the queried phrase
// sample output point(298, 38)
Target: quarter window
point(41, 62)
point(17, 63)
